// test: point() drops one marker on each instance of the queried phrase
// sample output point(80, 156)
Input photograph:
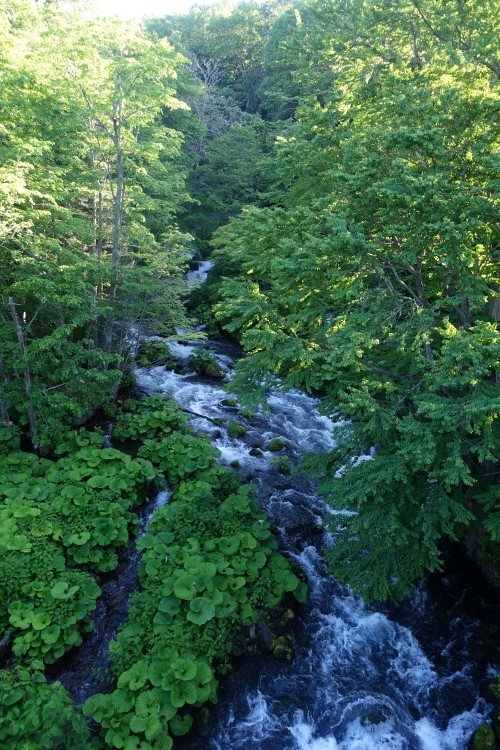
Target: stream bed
point(401, 677)
point(397, 678)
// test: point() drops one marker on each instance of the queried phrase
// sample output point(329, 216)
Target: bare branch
point(381, 370)
point(418, 301)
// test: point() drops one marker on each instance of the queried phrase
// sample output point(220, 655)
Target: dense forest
point(337, 161)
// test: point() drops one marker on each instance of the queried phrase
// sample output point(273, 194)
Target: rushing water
point(398, 678)
point(199, 275)
point(360, 679)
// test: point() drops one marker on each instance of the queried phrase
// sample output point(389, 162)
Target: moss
point(484, 738)
point(235, 430)
point(275, 445)
point(128, 379)
point(282, 648)
point(231, 402)
point(205, 363)
point(152, 353)
point(496, 725)
point(282, 463)
point(491, 690)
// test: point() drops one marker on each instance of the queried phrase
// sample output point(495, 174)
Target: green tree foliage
point(226, 45)
point(228, 175)
point(279, 91)
point(90, 184)
point(233, 35)
point(374, 278)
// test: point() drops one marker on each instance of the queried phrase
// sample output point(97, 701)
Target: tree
point(91, 183)
point(233, 35)
point(373, 282)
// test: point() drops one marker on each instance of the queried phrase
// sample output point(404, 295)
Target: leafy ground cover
point(210, 567)
point(61, 524)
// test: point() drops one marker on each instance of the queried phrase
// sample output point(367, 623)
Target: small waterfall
point(199, 275)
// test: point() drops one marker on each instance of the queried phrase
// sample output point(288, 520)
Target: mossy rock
point(281, 462)
point(152, 353)
point(235, 430)
point(206, 364)
point(235, 464)
point(230, 402)
point(213, 370)
point(282, 648)
point(256, 452)
point(484, 738)
point(491, 690)
point(128, 380)
point(496, 725)
point(275, 445)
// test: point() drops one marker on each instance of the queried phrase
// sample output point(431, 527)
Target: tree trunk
point(115, 258)
point(117, 118)
point(119, 192)
point(97, 251)
point(27, 376)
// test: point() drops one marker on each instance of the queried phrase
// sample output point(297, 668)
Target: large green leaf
point(201, 610)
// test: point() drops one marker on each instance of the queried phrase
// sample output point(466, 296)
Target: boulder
point(206, 364)
point(275, 445)
point(483, 738)
point(151, 353)
point(235, 430)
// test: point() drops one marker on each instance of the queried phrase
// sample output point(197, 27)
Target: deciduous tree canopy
point(91, 179)
point(373, 278)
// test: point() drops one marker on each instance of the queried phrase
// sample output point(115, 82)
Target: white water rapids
point(360, 678)
point(199, 275)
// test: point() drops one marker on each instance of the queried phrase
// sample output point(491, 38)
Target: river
point(401, 677)
point(397, 678)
